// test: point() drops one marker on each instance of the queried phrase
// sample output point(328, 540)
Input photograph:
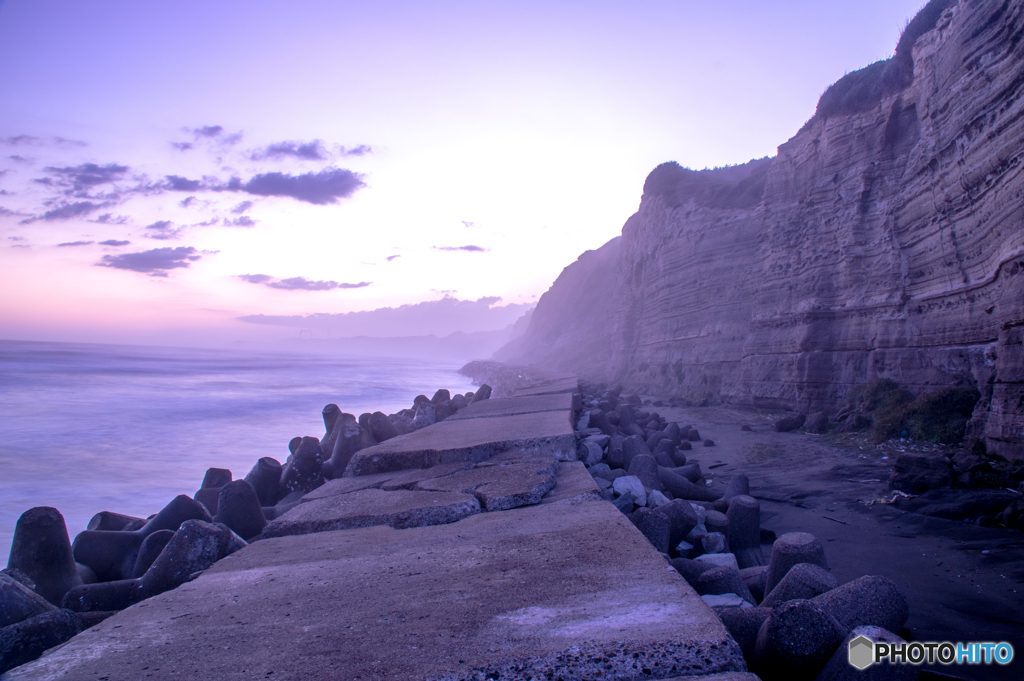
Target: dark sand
point(955, 592)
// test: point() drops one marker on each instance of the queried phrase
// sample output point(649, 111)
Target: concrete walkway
point(406, 574)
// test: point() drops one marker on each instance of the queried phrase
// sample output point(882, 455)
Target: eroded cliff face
point(886, 239)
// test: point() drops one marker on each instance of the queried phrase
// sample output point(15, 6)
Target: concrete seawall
point(476, 548)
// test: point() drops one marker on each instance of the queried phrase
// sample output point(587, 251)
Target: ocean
point(87, 428)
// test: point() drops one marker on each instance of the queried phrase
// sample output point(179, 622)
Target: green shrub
point(941, 416)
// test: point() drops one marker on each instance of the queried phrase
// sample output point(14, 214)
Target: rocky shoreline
point(52, 589)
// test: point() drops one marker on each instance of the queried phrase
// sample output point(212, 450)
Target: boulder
point(682, 518)
point(151, 547)
point(869, 600)
point(240, 509)
point(27, 640)
point(381, 428)
point(483, 393)
point(108, 521)
point(744, 624)
point(796, 641)
point(18, 601)
point(681, 488)
point(645, 467)
point(744, 530)
point(792, 549)
point(789, 423)
point(723, 579)
point(654, 526)
point(304, 469)
point(349, 439)
point(42, 551)
point(917, 473)
point(817, 423)
point(265, 478)
point(803, 581)
point(216, 477)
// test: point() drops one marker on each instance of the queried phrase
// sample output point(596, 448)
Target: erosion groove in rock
point(887, 243)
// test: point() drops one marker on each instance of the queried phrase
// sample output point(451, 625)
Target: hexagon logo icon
point(861, 653)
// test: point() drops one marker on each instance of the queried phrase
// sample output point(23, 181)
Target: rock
point(714, 542)
point(744, 624)
point(624, 502)
point(216, 477)
point(331, 413)
point(838, 667)
point(738, 484)
point(917, 473)
point(724, 579)
point(42, 551)
point(693, 435)
point(633, 446)
point(381, 428)
point(682, 518)
point(744, 530)
point(681, 488)
point(755, 578)
point(954, 504)
point(209, 497)
point(803, 581)
point(690, 471)
point(194, 547)
point(654, 526)
point(817, 423)
point(265, 478)
point(656, 499)
point(869, 600)
point(796, 641)
point(630, 484)
point(728, 601)
point(718, 559)
point(746, 429)
point(483, 393)
point(304, 469)
point(349, 439)
point(672, 433)
point(715, 521)
point(112, 555)
point(240, 509)
point(18, 602)
point(792, 549)
point(788, 424)
point(442, 395)
point(644, 467)
point(590, 453)
point(691, 570)
point(27, 640)
point(151, 547)
point(709, 443)
point(854, 422)
point(111, 522)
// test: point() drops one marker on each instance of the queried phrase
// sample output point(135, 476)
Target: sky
point(209, 173)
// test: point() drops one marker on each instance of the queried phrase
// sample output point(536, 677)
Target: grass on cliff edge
point(940, 417)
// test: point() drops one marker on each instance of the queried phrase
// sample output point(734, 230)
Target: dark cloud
point(471, 248)
point(114, 242)
point(435, 317)
point(66, 211)
point(324, 187)
point(392, 257)
point(306, 151)
point(163, 230)
point(242, 207)
point(209, 131)
point(6, 211)
point(361, 150)
point(20, 159)
point(240, 221)
point(76, 243)
point(16, 238)
point(176, 183)
point(80, 179)
point(187, 201)
point(255, 278)
point(183, 146)
point(21, 246)
point(206, 223)
point(303, 284)
point(32, 140)
point(111, 219)
point(155, 262)
point(22, 139)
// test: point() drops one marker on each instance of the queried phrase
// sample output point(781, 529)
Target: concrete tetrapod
point(803, 581)
point(41, 550)
point(795, 642)
point(838, 668)
point(789, 550)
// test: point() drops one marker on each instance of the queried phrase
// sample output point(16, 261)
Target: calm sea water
point(89, 428)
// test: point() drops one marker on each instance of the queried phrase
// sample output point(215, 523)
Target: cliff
point(886, 239)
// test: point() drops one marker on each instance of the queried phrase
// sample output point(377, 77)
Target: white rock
point(656, 499)
point(719, 559)
point(725, 601)
point(631, 484)
point(594, 453)
point(702, 513)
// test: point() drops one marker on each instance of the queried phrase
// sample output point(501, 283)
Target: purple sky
point(284, 159)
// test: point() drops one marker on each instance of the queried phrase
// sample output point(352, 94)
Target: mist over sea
point(89, 428)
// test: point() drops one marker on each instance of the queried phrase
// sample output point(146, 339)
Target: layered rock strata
point(886, 239)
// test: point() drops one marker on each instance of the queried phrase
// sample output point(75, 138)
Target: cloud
point(361, 150)
point(470, 248)
point(17, 238)
point(187, 201)
point(66, 211)
point(163, 230)
point(435, 317)
point(154, 262)
point(392, 257)
point(320, 188)
point(6, 211)
point(468, 225)
point(76, 243)
point(305, 151)
point(19, 158)
point(241, 221)
point(255, 278)
point(303, 284)
point(208, 131)
point(183, 146)
point(114, 242)
point(242, 207)
point(176, 183)
point(83, 177)
point(17, 140)
point(111, 219)
point(32, 140)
